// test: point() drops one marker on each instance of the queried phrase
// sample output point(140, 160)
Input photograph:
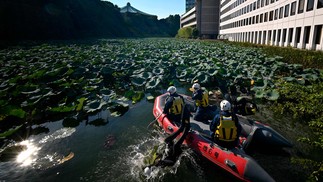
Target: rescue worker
point(245, 106)
point(174, 105)
point(176, 111)
point(225, 127)
point(204, 111)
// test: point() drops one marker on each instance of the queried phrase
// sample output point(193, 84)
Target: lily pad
point(271, 95)
point(70, 122)
point(10, 132)
point(94, 106)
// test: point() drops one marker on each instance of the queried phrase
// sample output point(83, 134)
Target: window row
point(291, 7)
point(282, 37)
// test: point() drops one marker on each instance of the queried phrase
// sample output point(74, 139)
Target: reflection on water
point(28, 156)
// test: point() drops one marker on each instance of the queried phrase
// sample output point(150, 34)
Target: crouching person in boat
point(204, 111)
point(225, 127)
point(173, 150)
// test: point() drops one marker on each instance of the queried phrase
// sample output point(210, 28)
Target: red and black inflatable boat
point(234, 161)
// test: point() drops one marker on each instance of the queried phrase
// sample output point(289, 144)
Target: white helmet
point(171, 89)
point(225, 105)
point(196, 86)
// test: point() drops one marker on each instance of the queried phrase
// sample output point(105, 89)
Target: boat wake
point(143, 156)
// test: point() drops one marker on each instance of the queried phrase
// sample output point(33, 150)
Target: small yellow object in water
point(252, 82)
point(66, 158)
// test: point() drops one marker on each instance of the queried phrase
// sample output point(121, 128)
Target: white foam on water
point(59, 134)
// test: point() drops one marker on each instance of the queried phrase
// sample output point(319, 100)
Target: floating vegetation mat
point(57, 81)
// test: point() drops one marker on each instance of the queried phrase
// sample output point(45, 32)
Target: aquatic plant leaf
point(310, 77)
point(119, 108)
point(94, 106)
point(10, 110)
point(289, 79)
point(80, 103)
point(138, 81)
point(153, 82)
point(10, 132)
point(70, 122)
point(271, 95)
point(99, 122)
point(259, 94)
point(136, 97)
point(63, 109)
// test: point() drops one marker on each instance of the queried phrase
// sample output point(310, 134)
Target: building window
point(258, 4)
point(301, 6)
point(274, 36)
point(266, 17)
point(261, 18)
point(267, 2)
point(281, 12)
point(272, 1)
point(278, 38)
point(276, 14)
point(254, 6)
point(318, 34)
point(257, 18)
point(262, 3)
point(298, 34)
point(307, 34)
point(293, 8)
point(310, 5)
point(319, 4)
point(290, 35)
point(284, 35)
point(271, 15)
point(286, 10)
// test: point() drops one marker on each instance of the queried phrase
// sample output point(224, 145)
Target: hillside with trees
point(77, 19)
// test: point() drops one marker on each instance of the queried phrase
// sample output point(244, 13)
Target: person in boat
point(242, 105)
point(204, 111)
point(225, 127)
point(174, 105)
point(245, 106)
point(176, 111)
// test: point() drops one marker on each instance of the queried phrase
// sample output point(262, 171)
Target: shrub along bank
point(304, 102)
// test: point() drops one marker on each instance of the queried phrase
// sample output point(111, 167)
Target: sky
point(161, 8)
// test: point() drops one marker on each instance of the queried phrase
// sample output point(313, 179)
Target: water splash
point(59, 134)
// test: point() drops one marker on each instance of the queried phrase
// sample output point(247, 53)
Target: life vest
point(205, 100)
point(177, 106)
point(226, 130)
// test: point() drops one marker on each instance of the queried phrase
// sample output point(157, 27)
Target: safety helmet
point(171, 89)
point(225, 105)
point(196, 86)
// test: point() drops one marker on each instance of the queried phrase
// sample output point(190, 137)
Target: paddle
point(154, 120)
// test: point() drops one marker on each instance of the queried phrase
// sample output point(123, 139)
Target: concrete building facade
point(205, 17)
point(295, 23)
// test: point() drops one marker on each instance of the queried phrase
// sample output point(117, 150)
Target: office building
point(204, 16)
point(295, 23)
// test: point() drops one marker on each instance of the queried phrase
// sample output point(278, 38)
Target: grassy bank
point(304, 103)
point(307, 58)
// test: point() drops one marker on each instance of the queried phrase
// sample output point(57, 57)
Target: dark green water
point(123, 161)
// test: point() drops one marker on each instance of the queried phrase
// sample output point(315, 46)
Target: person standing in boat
point(225, 127)
point(204, 111)
point(174, 105)
point(176, 109)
